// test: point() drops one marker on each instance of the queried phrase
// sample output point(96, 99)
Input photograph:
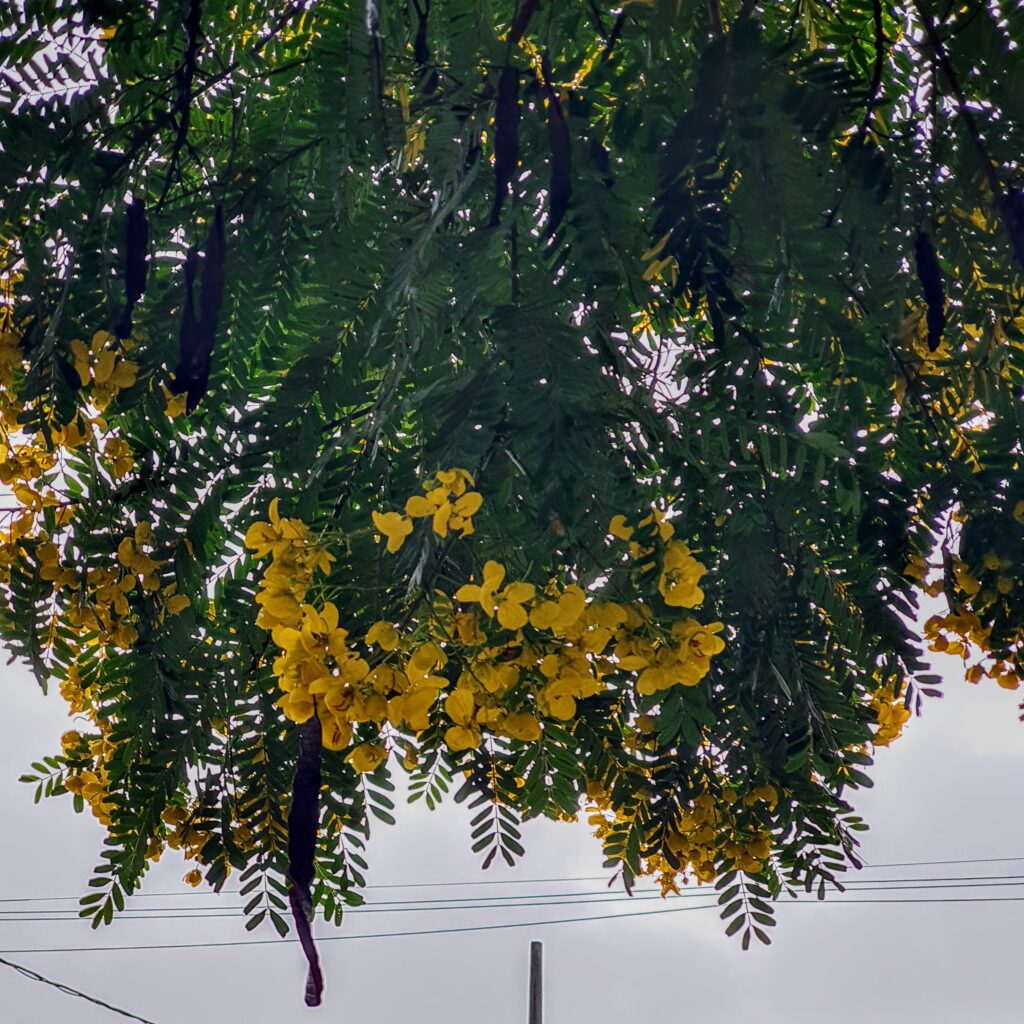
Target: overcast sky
point(950, 788)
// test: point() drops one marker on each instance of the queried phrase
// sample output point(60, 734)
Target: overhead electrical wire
point(508, 902)
point(69, 991)
point(505, 881)
point(835, 901)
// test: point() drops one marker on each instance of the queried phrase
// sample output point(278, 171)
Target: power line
point(495, 927)
point(516, 903)
point(497, 881)
point(931, 863)
point(69, 991)
point(371, 935)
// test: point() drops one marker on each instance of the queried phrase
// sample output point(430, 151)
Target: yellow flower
point(367, 757)
point(679, 577)
point(51, 569)
point(697, 641)
point(193, 878)
point(464, 734)
point(394, 526)
point(384, 635)
point(521, 725)
point(412, 708)
point(132, 558)
point(468, 629)
point(556, 700)
point(510, 611)
point(318, 635)
point(455, 480)
point(176, 603)
point(1018, 512)
point(421, 664)
point(483, 594)
point(657, 521)
point(296, 704)
point(278, 605)
point(276, 537)
point(99, 364)
point(336, 733)
point(916, 568)
point(174, 405)
point(497, 679)
point(618, 528)
point(119, 455)
point(560, 616)
point(447, 508)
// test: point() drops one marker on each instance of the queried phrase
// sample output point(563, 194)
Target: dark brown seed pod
point(522, 19)
point(560, 154)
point(198, 334)
point(188, 332)
point(420, 49)
point(136, 263)
point(930, 276)
point(1011, 206)
point(506, 138)
point(303, 823)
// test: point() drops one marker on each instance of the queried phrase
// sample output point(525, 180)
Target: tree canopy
point(564, 405)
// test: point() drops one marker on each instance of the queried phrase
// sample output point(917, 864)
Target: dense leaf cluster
point(755, 263)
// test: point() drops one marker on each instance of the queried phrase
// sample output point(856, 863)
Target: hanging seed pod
point(136, 263)
point(930, 276)
point(559, 152)
point(506, 138)
point(517, 29)
point(188, 332)
point(303, 822)
point(197, 335)
point(1011, 206)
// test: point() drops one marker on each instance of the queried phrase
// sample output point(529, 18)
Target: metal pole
point(536, 982)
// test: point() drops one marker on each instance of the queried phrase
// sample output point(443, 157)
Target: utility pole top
point(536, 982)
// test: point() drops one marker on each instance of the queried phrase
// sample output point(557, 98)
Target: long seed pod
point(303, 822)
point(212, 293)
point(1011, 206)
point(506, 138)
point(188, 332)
point(526, 11)
point(930, 276)
point(420, 49)
point(136, 263)
point(197, 336)
point(560, 154)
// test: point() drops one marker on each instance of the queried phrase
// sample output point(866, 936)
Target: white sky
point(950, 788)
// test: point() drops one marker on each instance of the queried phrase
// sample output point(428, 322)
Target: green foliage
point(727, 322)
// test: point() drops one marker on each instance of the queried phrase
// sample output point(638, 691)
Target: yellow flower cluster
point(10, 368)
point(99, 365)
point(118, 456)
point(510, 657)
point(294, 559)
point(90, 783)
point(892, 714)
point(705, 832)
point(681, 573)
point(957, 634)
point(448, 503)
point(92, 788)
point(103, 604)
point(960, 633)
